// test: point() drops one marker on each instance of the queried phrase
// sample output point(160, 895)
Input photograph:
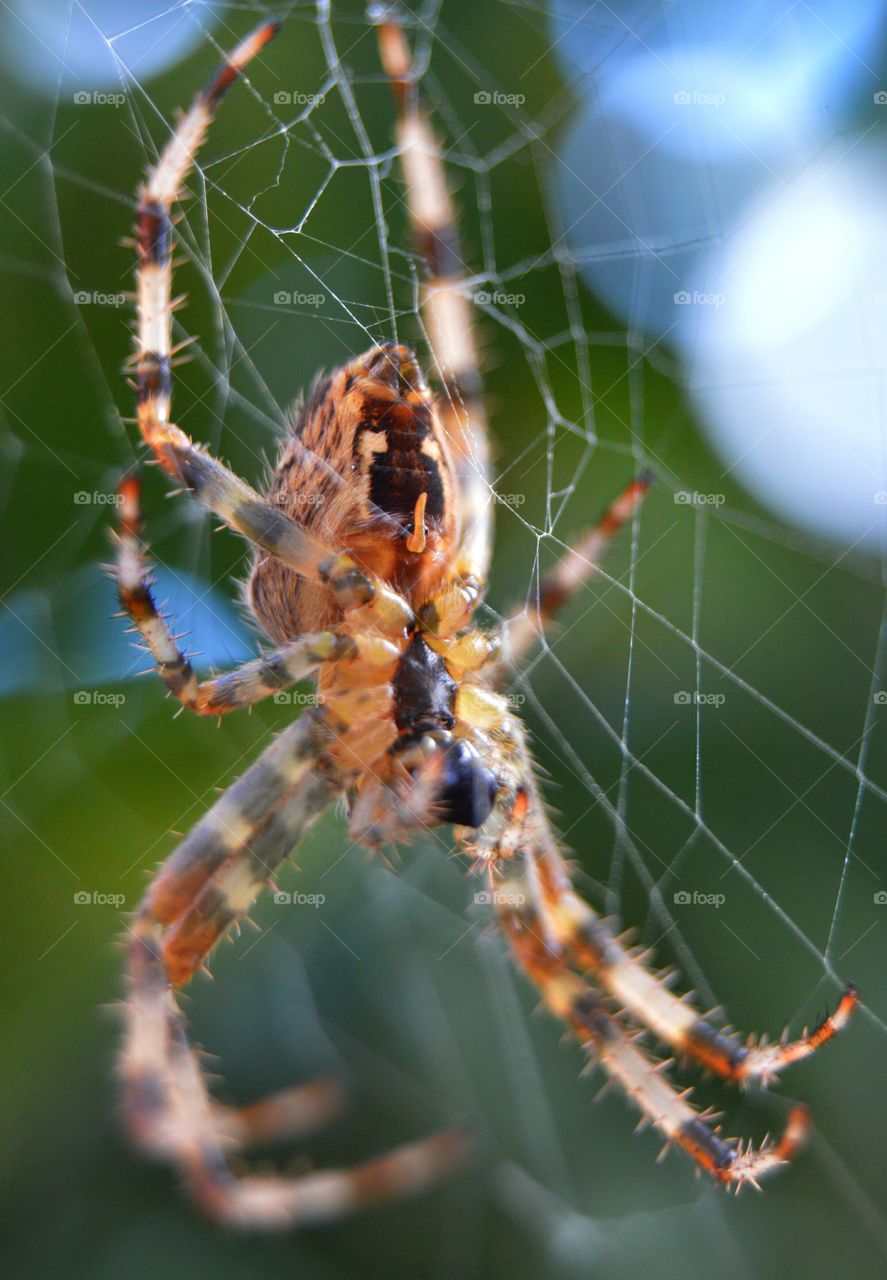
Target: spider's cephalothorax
point(371, 551)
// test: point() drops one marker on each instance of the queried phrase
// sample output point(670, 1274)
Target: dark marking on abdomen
point(400, 474)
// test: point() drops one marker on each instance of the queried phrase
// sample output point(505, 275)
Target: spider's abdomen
point(367, 470)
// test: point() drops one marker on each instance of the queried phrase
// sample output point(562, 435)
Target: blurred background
point(674, 217)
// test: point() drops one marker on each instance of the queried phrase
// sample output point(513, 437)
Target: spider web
point(706, 715)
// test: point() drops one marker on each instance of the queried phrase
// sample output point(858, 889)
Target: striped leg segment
point(563, 946)
point(251, 682)
point(622, 972)
point(172, 1116)
point(533, 935)
point(209, 882)
point(525, 627)
point(237, 504)
point(447, 311)
point(225, 831)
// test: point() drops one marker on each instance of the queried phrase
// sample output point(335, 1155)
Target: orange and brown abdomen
point(367, 470)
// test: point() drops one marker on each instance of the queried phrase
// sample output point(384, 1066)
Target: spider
point(371, 587)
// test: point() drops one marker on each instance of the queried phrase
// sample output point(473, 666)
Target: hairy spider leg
point(248, 684)
point(448, 313)
point(237, 504)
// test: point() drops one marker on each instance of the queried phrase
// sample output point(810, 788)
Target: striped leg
point(209, 882)
point(623, 973)
point(527, 921)
point(238, 505)
point(562, 945)
point(447, 311)
point(251, 682)
point(525, 627)
point(170, 1114)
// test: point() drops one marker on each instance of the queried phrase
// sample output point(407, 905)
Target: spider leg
point(619, 969)
point(529, 923)
point(237, 504)
point(211, 879)
point(447, 311)
point(251, 682)
point(524, 628)
point(624, 973)
point(562, 944)
point(171, 1114)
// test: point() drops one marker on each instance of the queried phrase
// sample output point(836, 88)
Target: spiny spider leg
point(622, 972)
point(238, 505)
point(170, 1112)
point(563, 945)
point(527, 919)
point(211, 880)
point(250, 683)
point(447, 310)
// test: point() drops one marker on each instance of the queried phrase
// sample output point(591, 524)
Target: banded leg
point(171, 1114)
point(619, 970)
point(524, 628)
point(254, 680)
point(237, 504)
point(213, 878)
point(447, 311)
point(527, 922)
point(226, 829)
point(558, 940)
point(624, 973)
